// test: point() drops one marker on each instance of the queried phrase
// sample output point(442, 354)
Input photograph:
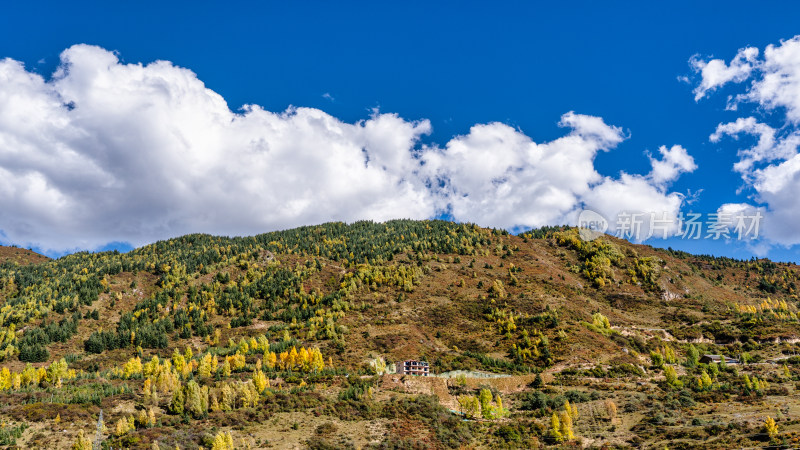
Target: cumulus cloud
point(105, 151)
point(644, 199)
point(778, 83)
point(673, 162)
point(497, 175)
point(771, 166)
point(715, 72)
point(108, 151)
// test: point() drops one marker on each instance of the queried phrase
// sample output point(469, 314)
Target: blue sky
point(452, 64)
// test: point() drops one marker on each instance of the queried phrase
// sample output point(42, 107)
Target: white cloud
point(715, 73)
point(778, 85)
point(675, 160)
point(105, 151)
point(767, 148)
point(745, 223)
point(148, 152)
point(498, 176)
point(646, 196)
point(771, 167)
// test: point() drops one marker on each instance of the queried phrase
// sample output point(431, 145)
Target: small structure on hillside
point(413, 367)
point(708, 359)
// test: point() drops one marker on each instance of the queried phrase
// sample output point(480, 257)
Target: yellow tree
point(226, 369)
point(213, 403)
point(228, 398)
point(672, 377)
point(132, 368)
point(147, 390)
point(485, 397)
point(151, 418)
point(151, 368)
point(82, 442)
point(317, 362)
point(566, 426)
point(611, 409)
point(555, 427)
point(222, 441)
point(470, 405)
point(293, 358)
point(260, 381)
point(304, 360)
point(204, 368)
point(194, 400)
point(5, 378)
point(771, 428)
point(178, 361)
point(271, 359)
point(178, 400)
point(122, 427)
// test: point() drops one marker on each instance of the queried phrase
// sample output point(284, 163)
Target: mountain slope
point(20, 256)
point(600, 322)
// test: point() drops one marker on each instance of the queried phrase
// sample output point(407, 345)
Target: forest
point(290, 338)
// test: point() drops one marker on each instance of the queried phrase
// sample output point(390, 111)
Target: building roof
point(718, 358)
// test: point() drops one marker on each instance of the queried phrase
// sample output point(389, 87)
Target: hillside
point(282, 340)
point(20, 256)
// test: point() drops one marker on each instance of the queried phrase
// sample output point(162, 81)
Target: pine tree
point(657, 359)
point(692, 356)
